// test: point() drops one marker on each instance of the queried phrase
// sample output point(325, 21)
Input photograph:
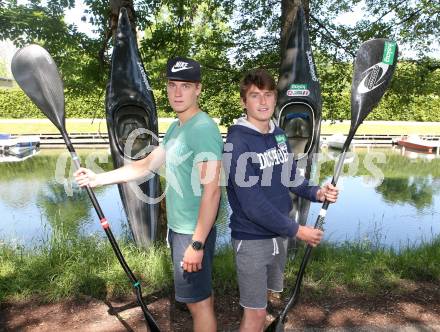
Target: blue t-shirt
point(186, 145)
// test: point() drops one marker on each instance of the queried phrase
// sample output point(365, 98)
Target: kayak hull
point(336, 141)
point(6, 157)
point(299, 107)
point(133, 131)
point(18, 145)
point(416, 146)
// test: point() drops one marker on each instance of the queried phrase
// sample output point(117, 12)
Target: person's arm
point(305, 190)
point(315, 193)
point(308, 234)
point(209, 173)
point(312, 235)
point(302, 186)
point(262, 212)
point(312, 193)
point(135, 170)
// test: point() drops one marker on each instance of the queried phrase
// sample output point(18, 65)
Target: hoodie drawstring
point(276, 250)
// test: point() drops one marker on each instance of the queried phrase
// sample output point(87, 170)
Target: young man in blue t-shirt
point(192, 152)
point(259, 173)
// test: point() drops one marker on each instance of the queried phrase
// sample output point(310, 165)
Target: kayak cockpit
point(297, 121)
point(133, 140)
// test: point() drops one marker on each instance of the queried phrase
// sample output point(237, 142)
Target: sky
point(73, 16)
point(7, 51)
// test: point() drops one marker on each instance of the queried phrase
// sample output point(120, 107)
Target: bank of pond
point(69, 268)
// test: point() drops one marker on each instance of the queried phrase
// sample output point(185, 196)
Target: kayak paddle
point(373, 69)
point(37, 74)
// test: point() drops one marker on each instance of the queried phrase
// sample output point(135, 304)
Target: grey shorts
point(260, 267)
point(191, 287)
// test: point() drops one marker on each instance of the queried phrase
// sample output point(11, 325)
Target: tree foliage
point(231, 36)
point(75, 53)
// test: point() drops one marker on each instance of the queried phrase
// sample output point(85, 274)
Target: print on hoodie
point(259, 169)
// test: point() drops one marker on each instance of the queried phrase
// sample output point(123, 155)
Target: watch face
point(197, 245)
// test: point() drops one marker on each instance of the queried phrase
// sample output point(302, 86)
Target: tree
point(410, 23)
point(198, 30)
point(74, 52)
point(229, 37)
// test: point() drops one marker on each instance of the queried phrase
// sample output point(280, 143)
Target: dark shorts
point(191, 287)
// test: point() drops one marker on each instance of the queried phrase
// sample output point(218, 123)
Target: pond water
point(388, 199)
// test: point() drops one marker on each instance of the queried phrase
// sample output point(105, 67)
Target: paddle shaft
point(280, 320)
point(106, 226)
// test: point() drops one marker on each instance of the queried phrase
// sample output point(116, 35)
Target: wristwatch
point(197, 245)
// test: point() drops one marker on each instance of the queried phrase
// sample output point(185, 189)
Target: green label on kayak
point(388, 52)
point(298, 90)
point(280, 138)
point(298, 87)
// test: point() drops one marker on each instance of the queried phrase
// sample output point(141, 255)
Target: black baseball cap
point(183, 69)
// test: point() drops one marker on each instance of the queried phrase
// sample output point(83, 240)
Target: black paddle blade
point(37, 74)
point(373, 69)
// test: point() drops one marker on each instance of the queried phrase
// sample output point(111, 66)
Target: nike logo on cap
point(179, 66)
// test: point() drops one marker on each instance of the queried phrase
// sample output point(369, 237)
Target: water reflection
point(65, 215)
point(402, 208)
point(36, 207)
point(415, 191)
point(17, 193)
point(400, 178)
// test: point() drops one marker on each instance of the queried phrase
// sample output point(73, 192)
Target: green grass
point(29, 126)
point(99, 125)
point(67, 268)
point(46, 127)
point(363, 269)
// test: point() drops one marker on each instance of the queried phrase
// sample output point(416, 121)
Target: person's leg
point(203, 315)
point(252, 258)
point(203, 311)
point(195, 288)
point(253, 320)
point(275, 271)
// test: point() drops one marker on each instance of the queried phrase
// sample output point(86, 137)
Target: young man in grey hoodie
point(260, 166)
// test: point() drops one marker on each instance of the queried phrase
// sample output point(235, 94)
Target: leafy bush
point(14, 104)
point(412, 95)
